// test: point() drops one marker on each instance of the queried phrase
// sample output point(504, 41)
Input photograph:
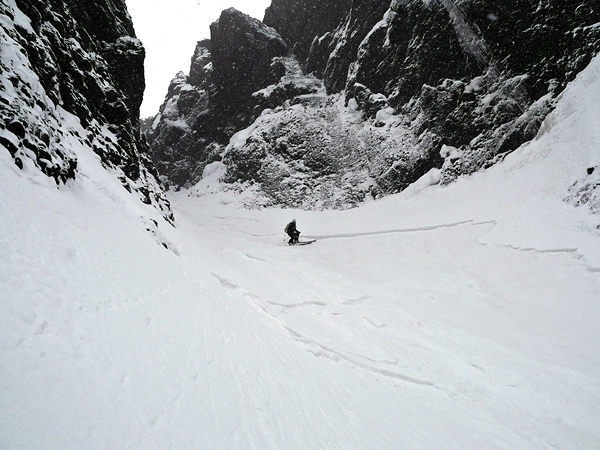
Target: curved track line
point(399, 230)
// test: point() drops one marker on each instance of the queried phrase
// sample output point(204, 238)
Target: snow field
point(481, 328)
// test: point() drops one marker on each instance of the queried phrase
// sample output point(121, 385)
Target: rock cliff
point(479, 76)
point(403, 88)
point(242, 51)
point(301, 21)
point(73, 70)
point(204, 109)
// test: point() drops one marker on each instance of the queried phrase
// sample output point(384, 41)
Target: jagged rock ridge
point(438, 85)
point(242, 51)
point(204, 109)
point(62, 58)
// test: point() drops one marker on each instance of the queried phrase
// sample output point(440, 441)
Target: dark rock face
point(405, 44)
point(99, 44)
point(341, 45)
point(204, 109)
point(200, 66)
point(472, 75)
point(300, 21)
point(181, 134)
point(291, 88)
point(445, 85)
point(318, 55)
point(414, 45)
point(553, 41)
point(242, 51)
point(82, 58)
point(531, 58)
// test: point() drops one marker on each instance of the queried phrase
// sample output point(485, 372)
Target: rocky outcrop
point(201, 65)
point(301, 21)
point(242, 51)
point(204, 109)
point(316, 153)
point(396, 47)
point(586, 190)
point(413, 45)
point(478, 76)
point(74, 71)
point(553, 41)
point(182, 136)
point(332, 53)
point(412, 87)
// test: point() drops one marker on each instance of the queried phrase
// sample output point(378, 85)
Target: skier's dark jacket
point(290, 229)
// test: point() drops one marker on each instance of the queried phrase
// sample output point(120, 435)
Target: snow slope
point(463, 317)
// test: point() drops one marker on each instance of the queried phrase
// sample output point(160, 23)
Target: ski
point(304, 242)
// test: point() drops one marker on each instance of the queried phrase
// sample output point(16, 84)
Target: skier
point(292, 232)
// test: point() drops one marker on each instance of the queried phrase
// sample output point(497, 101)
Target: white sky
point(169, 31)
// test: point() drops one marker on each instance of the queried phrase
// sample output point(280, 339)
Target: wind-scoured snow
point(449, 317)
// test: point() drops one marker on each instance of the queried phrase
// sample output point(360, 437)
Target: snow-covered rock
point(585, 191)
point(316, 153)
point(473, 75)
point(204, 109)
point(74, 71)
point(317, 17)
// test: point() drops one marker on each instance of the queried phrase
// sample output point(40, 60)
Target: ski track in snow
point(314, 347)
point(376, 233)
point(299, 304)
point(323, 351)
point(382, 366)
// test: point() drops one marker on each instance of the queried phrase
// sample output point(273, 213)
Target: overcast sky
point(169, 30)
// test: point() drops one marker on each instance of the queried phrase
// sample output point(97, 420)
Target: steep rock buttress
point(81, 59)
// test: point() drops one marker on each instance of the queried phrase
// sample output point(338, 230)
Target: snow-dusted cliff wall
point(300, 21)
point(475, 75)
point(411, 86)
point(74, 71)
point(203, 110)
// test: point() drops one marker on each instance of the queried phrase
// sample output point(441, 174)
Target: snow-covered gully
point(425, 329)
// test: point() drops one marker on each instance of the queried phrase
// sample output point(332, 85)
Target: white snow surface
point(460, 317)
